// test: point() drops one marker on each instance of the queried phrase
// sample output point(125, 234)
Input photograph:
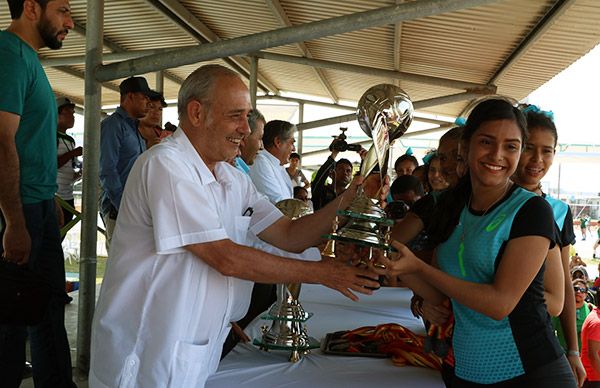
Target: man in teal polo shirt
point(28, 155)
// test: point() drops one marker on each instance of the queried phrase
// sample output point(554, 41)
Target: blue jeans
point(50, 352)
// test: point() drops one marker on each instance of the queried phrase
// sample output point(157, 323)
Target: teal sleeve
point(13, 78)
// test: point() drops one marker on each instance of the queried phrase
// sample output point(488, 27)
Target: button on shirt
point(163, 313)
point(271, 178)
point(120, 145)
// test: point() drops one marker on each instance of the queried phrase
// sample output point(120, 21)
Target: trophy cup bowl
point(384, 114)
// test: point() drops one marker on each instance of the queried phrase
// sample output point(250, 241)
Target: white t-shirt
point(271, 178)
point(66, 173)
point(163, 313)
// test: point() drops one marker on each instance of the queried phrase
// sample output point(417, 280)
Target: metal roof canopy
point(440, 59)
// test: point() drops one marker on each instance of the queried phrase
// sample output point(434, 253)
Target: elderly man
point(267, 173)
point(28, 156)
point(179, 270)
point(120, 145)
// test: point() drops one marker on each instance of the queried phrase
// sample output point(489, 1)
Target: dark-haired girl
point(494, 240)
point(536, 159)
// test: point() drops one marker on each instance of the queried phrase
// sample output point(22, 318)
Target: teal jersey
point(486, 350)
point(27, 93)
point(563, 219)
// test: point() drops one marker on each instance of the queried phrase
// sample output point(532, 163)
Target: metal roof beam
point(542, 26)
point(80, 74)
point(109, 57)
point(283, 19)
point(307, 102)
point(118, 49)
point(301, 101)
point(407, 135)
point(287, 35)
point(372, 71)
point(417, 105)
point(181, 16)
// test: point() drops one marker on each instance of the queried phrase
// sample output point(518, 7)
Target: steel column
point(253, 81)
point(300, 133)
point(91, 147)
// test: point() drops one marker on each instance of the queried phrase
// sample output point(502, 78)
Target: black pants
point(556, 374)
point(50, 351)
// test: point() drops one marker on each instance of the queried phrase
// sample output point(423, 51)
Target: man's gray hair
point(283, 130)
point(254, 118)
point(198, 86)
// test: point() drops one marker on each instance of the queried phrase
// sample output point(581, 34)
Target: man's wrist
point(574, 353)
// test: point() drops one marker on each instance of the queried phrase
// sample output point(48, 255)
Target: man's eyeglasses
point(580, 289)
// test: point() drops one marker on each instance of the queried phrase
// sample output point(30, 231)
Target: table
point(248, 366)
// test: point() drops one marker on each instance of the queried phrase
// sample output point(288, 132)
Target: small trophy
point(287, 331)
point(384, 113)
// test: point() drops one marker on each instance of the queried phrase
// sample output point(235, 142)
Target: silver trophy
point(384, 113)
point(287, 331)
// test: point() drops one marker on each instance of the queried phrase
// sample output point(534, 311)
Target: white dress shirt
point(271, 178)
point(163, 313)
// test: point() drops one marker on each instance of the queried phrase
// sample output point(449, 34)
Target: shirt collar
point(222, 173)
point(123, 113)
point(271, 158)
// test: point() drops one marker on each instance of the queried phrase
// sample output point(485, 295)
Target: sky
point(572, 96)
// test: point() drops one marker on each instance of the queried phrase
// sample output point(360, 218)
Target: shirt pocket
point(189, 365)
point(240, 229)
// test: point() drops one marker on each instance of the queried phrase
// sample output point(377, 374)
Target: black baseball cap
point(157, 96)
point(134, 85)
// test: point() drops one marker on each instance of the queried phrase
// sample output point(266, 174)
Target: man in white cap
point(69, 167)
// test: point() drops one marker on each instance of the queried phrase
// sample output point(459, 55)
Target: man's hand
point(578, 369)
point(362, 153)
point(346, 279)
point(17, 244)
point(78, 151)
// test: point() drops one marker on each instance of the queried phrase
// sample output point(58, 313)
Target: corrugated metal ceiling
point(467, 45)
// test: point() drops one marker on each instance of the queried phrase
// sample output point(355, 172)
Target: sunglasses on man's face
point(580, 289)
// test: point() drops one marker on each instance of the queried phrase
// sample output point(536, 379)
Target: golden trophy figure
point(384, 113)
point(287, 331)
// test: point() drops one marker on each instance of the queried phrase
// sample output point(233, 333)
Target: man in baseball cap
point(120, 145)
point(135, 85)
point(69, 166)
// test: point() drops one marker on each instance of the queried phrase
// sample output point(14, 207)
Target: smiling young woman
point(536, 159)
point(494, 237)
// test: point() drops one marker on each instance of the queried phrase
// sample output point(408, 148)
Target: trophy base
point(296, 351)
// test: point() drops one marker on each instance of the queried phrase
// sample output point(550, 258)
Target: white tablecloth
point(248, 366)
